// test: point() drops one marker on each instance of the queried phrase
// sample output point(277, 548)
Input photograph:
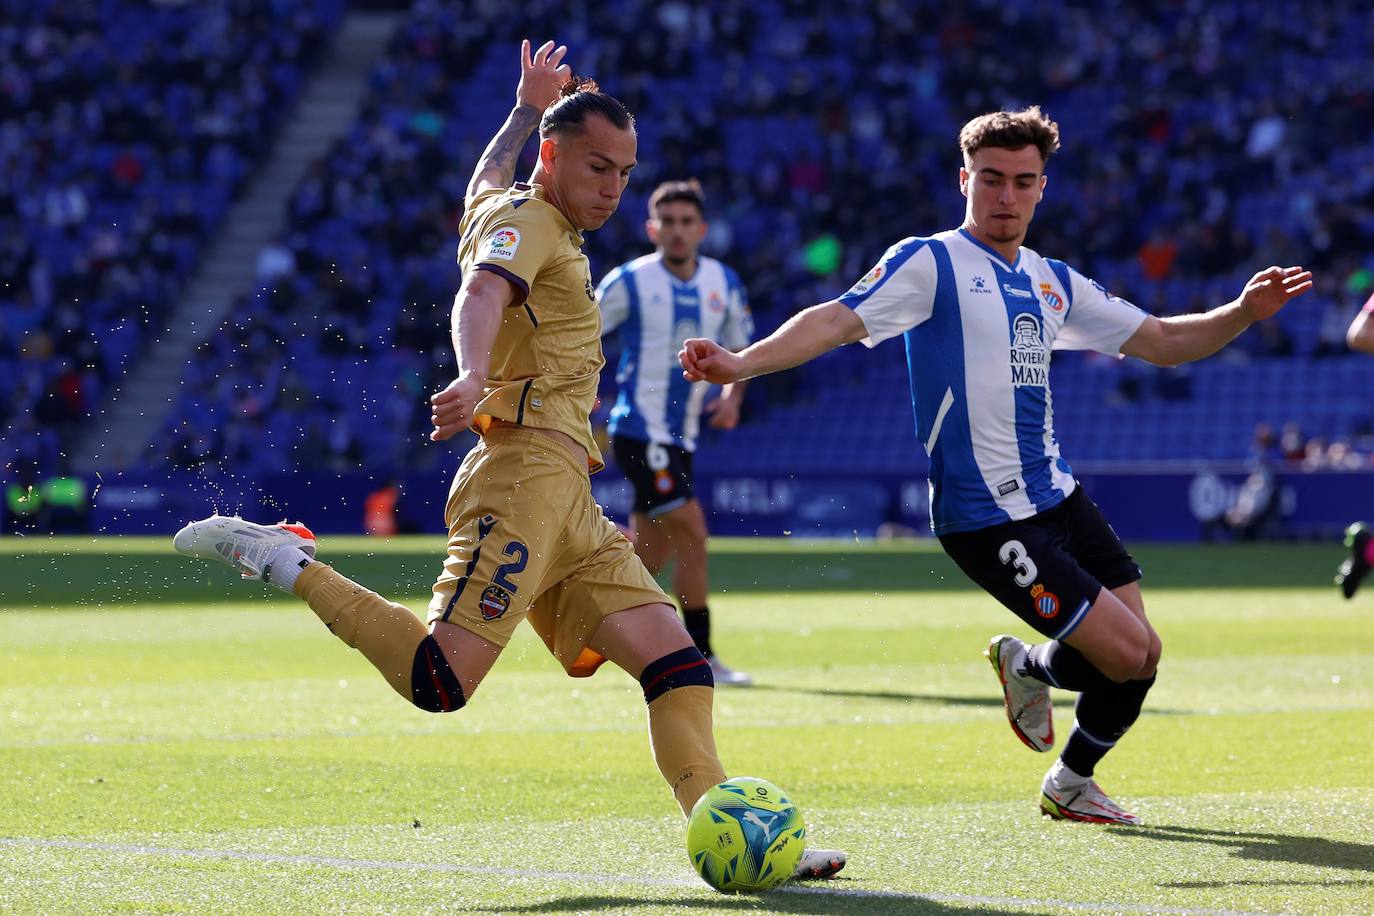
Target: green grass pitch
point(172, 740)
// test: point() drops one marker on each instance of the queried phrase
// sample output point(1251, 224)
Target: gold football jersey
point(547, 355)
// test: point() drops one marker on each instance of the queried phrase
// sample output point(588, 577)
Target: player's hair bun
point(579, 98)
point(576, 84)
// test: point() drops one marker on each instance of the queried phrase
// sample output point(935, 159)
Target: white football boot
point(1027, 700)
point(246, 546)
point(819, 864)
point(726, 676)
point(1082, 802)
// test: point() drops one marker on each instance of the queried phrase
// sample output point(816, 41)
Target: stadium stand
point(127, 131)
point(821, 141)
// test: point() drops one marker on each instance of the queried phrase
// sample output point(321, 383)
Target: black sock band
point(433, 685)
point(1103, 716)
point(683, 668)
point(698, 622)
point(1061, 665)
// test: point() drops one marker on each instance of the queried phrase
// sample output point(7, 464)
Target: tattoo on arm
point(497, 166)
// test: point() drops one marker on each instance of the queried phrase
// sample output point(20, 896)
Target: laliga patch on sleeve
point(867, 282)
point(502, 244)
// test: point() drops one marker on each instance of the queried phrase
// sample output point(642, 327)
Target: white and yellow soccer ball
point(745, 835)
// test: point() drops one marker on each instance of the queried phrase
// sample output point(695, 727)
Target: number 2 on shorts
point(522, 555)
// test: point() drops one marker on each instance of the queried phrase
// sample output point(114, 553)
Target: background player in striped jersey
point(980, 315)
point(657, 302)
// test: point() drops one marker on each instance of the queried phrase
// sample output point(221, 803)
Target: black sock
point(1104, 715)
point(1061, 665)
point(698, 621)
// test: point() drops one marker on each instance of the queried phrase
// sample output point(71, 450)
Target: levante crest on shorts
point(495, 602)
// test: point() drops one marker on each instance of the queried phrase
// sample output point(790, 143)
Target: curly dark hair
point(1011, 130)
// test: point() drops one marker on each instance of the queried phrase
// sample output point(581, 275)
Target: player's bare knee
point(687, 535)
point(692, 549)
point(695, 531)
point(1152, 657)
point(1124, 660)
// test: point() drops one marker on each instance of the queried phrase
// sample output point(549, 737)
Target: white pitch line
point(818, 889)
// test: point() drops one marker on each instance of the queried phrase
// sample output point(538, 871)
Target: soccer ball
point(745, 835)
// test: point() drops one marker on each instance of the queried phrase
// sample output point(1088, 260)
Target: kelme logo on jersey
point(1046, 602)
point(503, 244)
point(867, 282)
point(1052, 299)
point(980, 286)
point(1030, 361)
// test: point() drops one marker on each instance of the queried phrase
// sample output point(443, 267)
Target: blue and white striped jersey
point(656, 312)
point(978, 334)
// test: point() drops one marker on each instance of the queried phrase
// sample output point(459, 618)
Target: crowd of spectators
point(1202, 141)
point(1290, 448)
point(126, 129)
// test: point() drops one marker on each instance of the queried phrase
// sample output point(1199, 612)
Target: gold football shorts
point(526, 538)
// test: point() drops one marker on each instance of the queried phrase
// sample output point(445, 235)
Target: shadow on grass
point(820, 900)
point(892, 696)
point(991, 701)
point(1279, 882)
point(1264, 847)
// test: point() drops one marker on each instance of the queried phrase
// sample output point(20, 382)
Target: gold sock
point(684, 746)
point(386, 633)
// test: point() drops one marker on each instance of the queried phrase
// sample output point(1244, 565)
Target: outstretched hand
point(707, 361)
point(1269, 290)
point(541, 76)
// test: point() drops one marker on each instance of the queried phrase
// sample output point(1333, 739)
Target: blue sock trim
point(1090, 737)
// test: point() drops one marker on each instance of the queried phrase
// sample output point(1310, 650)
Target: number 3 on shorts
point(1014, 552)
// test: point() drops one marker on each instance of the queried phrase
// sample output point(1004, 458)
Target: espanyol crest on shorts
point(1046, 602)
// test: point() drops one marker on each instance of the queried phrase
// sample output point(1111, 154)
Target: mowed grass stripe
point(835, 888)
point(64, 572)
point(236, 722)
point(1240, 852)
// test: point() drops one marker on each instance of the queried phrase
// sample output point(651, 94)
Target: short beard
point(1006, 237)
point(677, 262)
